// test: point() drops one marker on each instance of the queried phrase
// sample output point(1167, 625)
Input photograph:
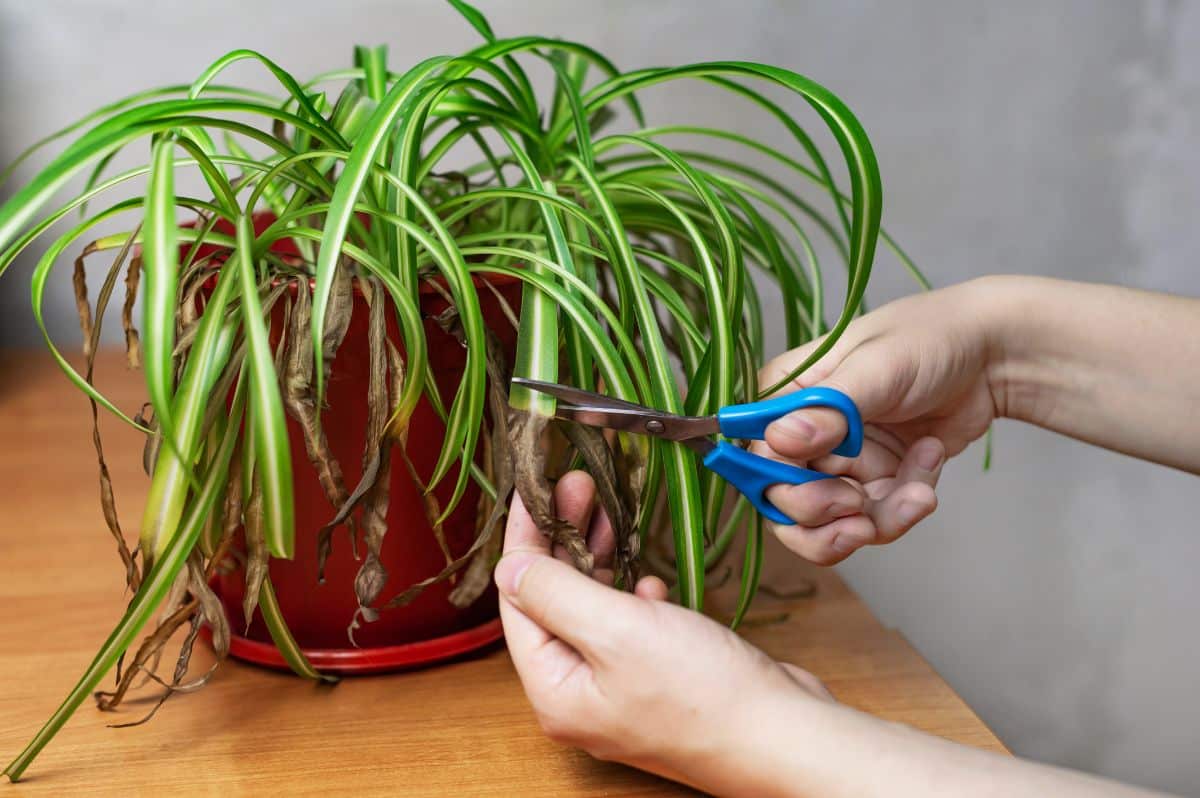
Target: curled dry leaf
point(133, 348)
point(429, 502)
point(211, 611)
point(188, 313)
point(185, 655)
point(82, 306)
point(108, 501)
point(202, 607)
point(629, 458)
point(337, 315)
point(231, 515)
point(154, 642)
point(529, 467)
point(484, 551)
point(145, 418)
point(502, 301)
point(592, 446)
point(372, 575)
point(256, 548)
point(300, 401)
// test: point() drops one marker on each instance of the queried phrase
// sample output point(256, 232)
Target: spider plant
point(641, 252)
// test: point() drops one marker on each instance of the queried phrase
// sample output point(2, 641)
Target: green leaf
point(273, 456)
point(141, 608)
point(472, 15)
point(160, 271)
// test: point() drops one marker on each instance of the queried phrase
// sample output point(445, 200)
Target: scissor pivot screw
point(655, 426)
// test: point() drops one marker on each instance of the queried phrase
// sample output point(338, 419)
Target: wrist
point(771, 744)
point(1020, 372)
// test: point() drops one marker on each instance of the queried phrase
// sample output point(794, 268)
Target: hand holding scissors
point(750, 473)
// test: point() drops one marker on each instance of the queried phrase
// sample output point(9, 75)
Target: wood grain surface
point(461, 729)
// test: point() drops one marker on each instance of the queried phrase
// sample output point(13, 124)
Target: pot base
point(382, 659)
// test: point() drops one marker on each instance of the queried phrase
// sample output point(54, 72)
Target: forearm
point(808, 747)
point(1112, 366)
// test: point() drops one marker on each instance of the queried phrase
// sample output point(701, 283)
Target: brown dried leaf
point(153, 642)
point(482, 553)
point(145, 418)
point(525, 434)
point(503, 302)
point(211, 611)
point(281, 347)
point(133, 348)
point(430, 504)
point(231, 514)
point(337, 314)
point(108, 502)
point(82, 306)
point(300, 401)
point(185, 655)
point(372, 575)
point(256, 549)
point(592, 446)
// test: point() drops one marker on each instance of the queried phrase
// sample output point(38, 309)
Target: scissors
point(748, 472)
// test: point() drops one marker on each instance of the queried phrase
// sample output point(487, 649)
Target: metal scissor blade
point(659, 425)
point(578, 396)
point(597, 410)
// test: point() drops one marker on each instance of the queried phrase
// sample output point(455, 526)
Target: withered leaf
point(368, 584)
point(478, 576)
point(256, 549)
point(337, 313)
point(82, 306)
point(479, 555)
point(108, 502)
point(300, 401)
point(211, 611)
point(133, 350)
point(231, 514)
point(529, 467)
point(153, 642)
point(372, 575)
point(503, 302)
point(592, 446)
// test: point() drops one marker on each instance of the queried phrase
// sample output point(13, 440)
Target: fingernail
point(797, 427)
point(509, 571)
point(910, 512)
point(929, 457)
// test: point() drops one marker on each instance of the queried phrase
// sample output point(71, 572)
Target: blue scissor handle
point(749, 421)
point(752, 474)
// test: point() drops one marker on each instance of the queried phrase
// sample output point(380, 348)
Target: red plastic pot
point(430, 628)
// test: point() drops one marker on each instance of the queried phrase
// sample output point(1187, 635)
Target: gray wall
point(1056, 593)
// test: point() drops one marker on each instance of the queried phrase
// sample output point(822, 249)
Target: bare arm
point(634, 679)
point(1112, 366)
point(827, 749)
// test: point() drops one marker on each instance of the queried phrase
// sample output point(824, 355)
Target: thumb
point(571, 606)
point(867, 374)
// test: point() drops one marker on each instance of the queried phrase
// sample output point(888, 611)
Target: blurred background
point(1058, 592)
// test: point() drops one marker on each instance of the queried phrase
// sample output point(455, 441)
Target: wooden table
point(460, 729)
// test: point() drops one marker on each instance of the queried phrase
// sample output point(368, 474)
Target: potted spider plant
point(328, 328)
